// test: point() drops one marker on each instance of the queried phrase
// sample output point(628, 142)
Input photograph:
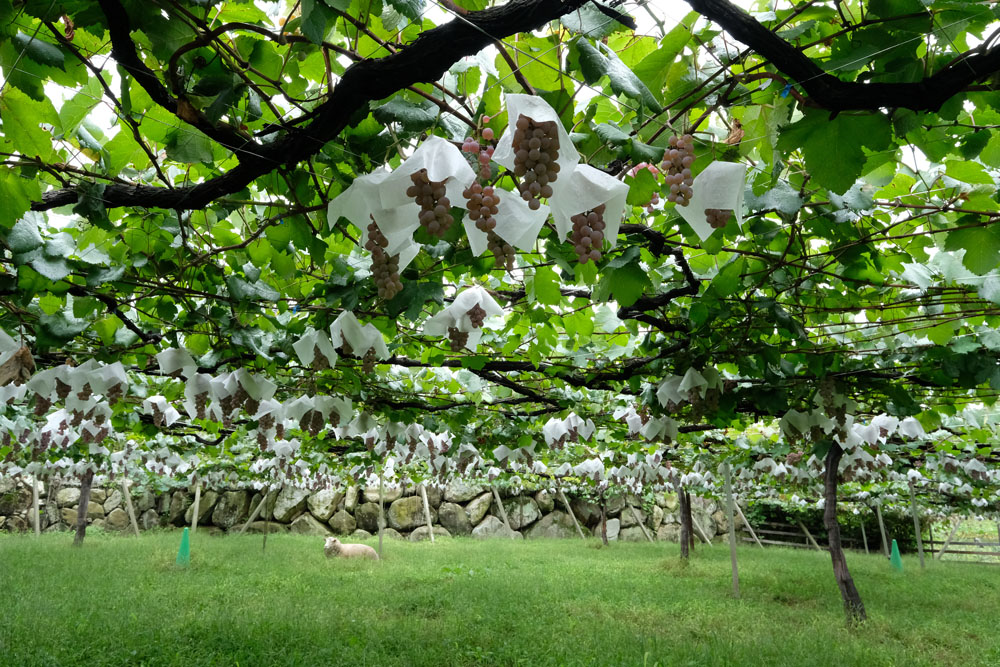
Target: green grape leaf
point(413, 116)
point(981, 245)
point(411, 9)
point(595, 64)
point(546, 286)
point(40, 51)
point(189, 146)
point(834, 148)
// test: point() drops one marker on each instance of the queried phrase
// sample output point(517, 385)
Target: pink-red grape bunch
point(588, 234)
point(483, 153)
point(676, 165)
point(385, 269)
point(435, 213)
point(536, 149)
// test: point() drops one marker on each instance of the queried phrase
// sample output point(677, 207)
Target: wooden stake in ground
point(254, 514)
point(197, 503)
point(381, 511)
point(749, 527)
point(881, 528)
point(569, 510)
point(503, 510)
point(916, 523)
point(81, 512)
point(427, 512)
point(685, 506)
point(864, 536)
point(128, 505)
point(951, 536)
point(36, 517)
point(702, 535)
point(809, 536)
point(604, 521)
point(636, 517)
point(730, 502)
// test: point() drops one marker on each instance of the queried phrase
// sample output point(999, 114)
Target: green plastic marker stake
point(184, 553)
point(897, 562)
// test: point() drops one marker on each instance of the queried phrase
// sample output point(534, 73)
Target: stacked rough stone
point(458, 509)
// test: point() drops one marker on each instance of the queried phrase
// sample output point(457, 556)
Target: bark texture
point(81, 512)
point(853, 606)
point(687, 533)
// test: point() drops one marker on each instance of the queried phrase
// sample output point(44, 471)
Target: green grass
point(123, 601)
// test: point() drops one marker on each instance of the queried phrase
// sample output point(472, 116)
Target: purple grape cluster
point(482, 204)
point(457, 339)
point(503, 252)
point(435, 208)
point(476, 316)
point(588, 234)
point(385, 268)
point(718, 217)
point(536, 151)
point(676, 165)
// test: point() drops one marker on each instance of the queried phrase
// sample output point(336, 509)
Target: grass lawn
point(124, 601)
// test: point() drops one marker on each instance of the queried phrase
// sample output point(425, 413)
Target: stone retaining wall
point(457, 509)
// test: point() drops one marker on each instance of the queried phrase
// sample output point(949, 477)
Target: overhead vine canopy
point(479, 220)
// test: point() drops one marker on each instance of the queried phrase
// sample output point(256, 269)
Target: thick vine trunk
point(687, 534)
point(853, 606)
point(81, 512)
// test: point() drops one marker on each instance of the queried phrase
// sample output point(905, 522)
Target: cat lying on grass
point(335, 547)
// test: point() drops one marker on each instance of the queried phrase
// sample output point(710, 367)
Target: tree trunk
point(686, 533)
point(81, 512)
point(853, 606)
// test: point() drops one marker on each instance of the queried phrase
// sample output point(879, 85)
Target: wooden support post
point(916, 523)
point(951, 536)
point(730, 516)
point(381, 511)
point(604, 521)
point(128, 505)
point(569, 510)
point(256, 513)
point(503, 510)
point(35, 515)
point(427, 512)
point(749, 527)
point(881, 528)
point(864, 536)
point(641, 524)
point(809, 536)
point(194, 514)
point(701, 533)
